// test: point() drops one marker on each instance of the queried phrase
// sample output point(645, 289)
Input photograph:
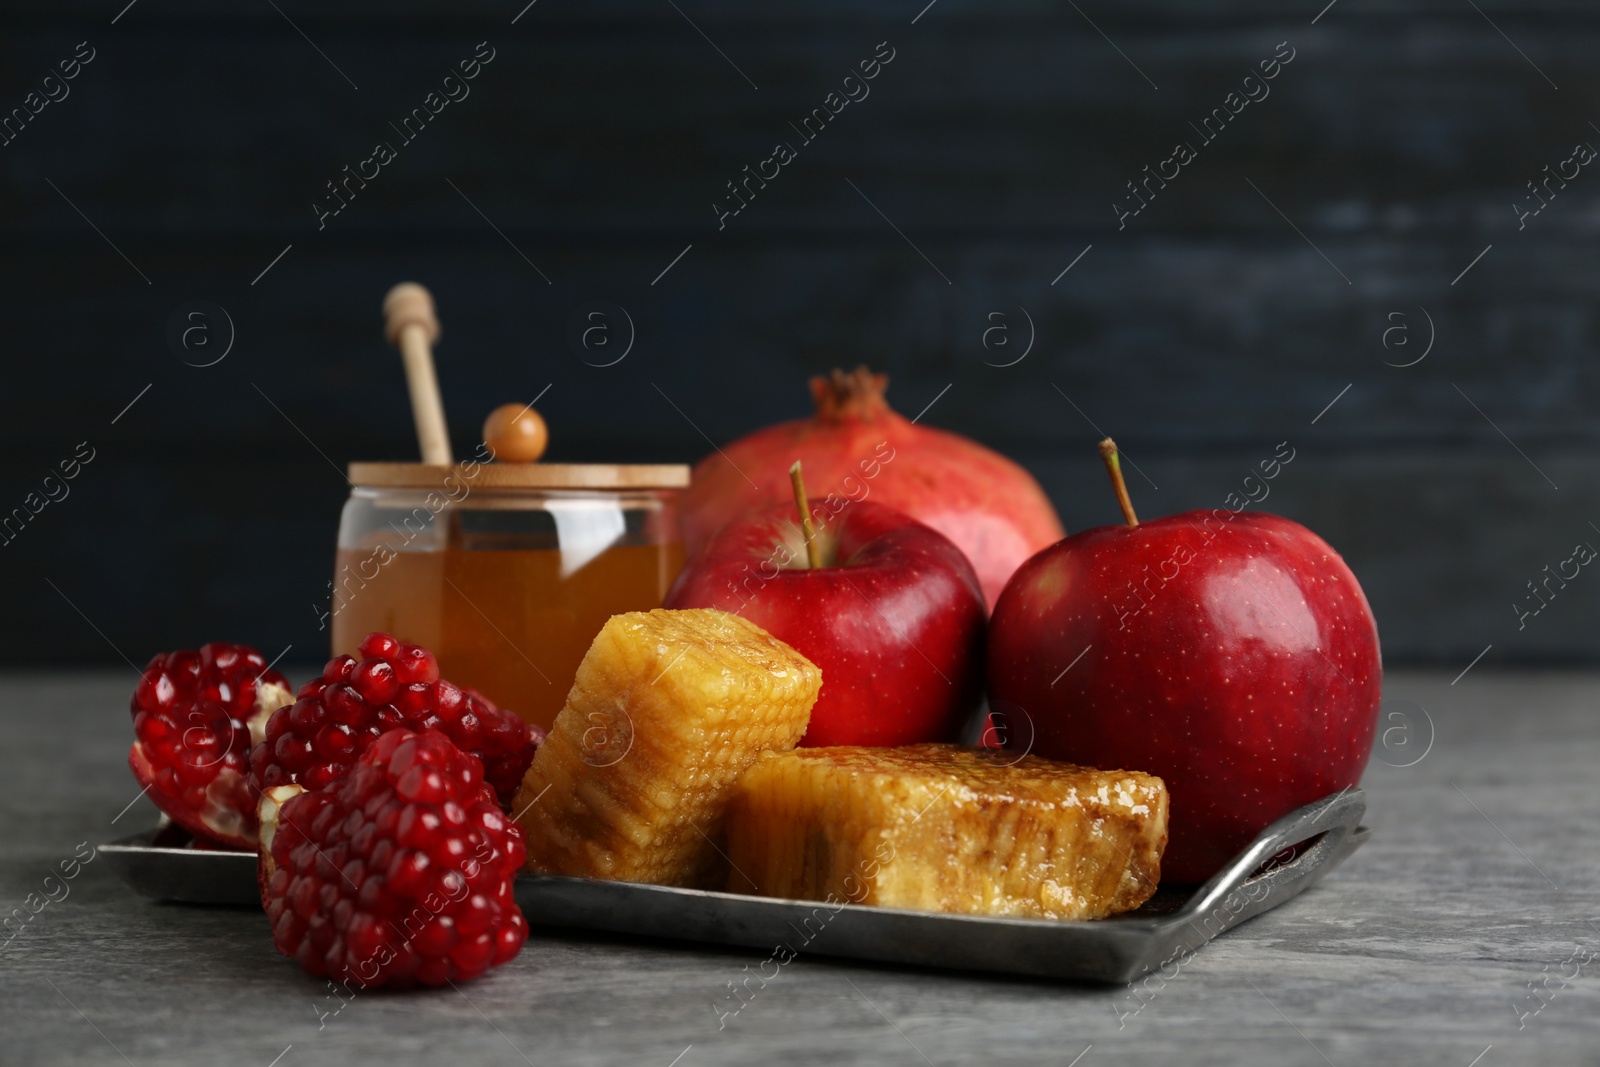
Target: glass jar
point(506, 571)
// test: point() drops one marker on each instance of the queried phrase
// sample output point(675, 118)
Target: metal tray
point(160, 864)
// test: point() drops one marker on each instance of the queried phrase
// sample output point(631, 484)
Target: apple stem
point(1108, 456)
point(813, 550)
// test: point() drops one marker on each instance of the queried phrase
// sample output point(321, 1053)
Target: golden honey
point(506, 584)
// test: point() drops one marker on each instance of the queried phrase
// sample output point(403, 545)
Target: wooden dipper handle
point(410, 325)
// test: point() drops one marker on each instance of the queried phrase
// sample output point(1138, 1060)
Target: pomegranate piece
point(195, 716)
point(400, 874)
point(394, 685)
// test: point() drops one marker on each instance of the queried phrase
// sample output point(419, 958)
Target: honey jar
point(506, 571)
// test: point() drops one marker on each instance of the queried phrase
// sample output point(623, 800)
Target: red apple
point(893, 614)
point(1231, 653)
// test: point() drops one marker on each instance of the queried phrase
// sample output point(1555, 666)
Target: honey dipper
point(410, 324)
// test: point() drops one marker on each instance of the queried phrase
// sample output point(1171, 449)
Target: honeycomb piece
point(946, 828)
point(669, 708)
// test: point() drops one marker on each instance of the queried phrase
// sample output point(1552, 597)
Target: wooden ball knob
point(515, 433)
point(406, 304)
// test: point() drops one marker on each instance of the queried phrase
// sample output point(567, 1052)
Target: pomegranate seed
point(379, 646)
point(335, 742)
point(306, 714)
point(415, 700)
point(375, 680)
point(322, 775)
point(338, 668)
point(452, 702)
point(292, 751)
point(415, 664)
point(344, 704)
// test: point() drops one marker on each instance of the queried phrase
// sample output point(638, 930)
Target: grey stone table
point(1463, 933)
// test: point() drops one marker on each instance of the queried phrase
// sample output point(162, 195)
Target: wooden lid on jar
point(523, 475)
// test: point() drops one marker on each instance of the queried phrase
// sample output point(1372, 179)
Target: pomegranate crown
point(856, 395)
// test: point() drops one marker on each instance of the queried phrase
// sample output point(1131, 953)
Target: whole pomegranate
point(857, 447)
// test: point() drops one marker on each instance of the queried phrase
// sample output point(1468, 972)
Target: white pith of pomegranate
point(272, 800)
point(270, 696)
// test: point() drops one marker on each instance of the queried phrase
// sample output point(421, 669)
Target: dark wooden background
point(1201, 335)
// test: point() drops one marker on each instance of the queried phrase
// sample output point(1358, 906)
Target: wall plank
point(1205, 331)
